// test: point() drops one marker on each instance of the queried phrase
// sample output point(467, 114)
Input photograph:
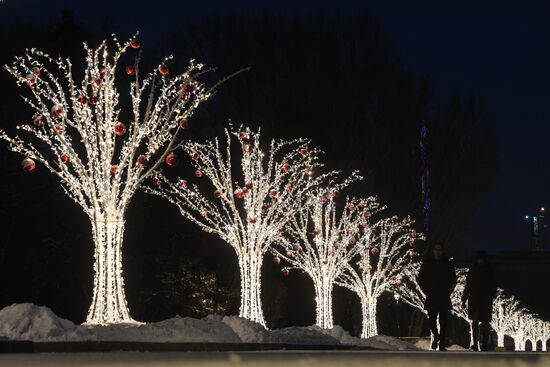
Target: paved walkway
point(279, 358)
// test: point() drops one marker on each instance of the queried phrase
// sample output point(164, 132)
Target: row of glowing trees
point(273, 199)
point(259, 200)
point(509, 318)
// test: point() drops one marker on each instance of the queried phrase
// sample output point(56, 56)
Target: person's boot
point(475, 346)
point(442, 344)
point(435, 342)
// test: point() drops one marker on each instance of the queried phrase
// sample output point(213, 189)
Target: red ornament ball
point(142, 159)
point(135, 44)
point(277, 260)
point(114, 170)
point(103, 73)
point(184, 124)
point(28, 165)
point(238, 193)
point(185, 91)
point(120, 128)
point(303, 153)
point(217, 194)
point(38, 121)
point(36, 71)
point(92, 100)
point(156, 181)
point(163, 69)
point(253, 220)
point(272, 193)
point(198, 173)
point(285, 272)
point(285, 168)
point(82, 99)
point(65, 158)
point(57, 112)
point(296, 247)
point(289, 189)
point(374, 251)
point(172, 160)
point(410, 253)
point(413, 234)
point(183, 183)
point(195, 156)
point(130, 70)
point(59, 128)
point(349, 207)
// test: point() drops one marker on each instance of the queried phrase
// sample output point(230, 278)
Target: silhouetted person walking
point(480, 291)
point(437, 279)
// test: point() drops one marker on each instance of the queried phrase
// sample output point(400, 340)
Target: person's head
point(481, 258)
point(438, 250)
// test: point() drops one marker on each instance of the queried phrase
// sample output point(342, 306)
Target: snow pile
point(30, 322)
point(174, 330)
point(301, 335)
point(248, 331)
point(425, 344)
point(26, 321)
point(385, 342)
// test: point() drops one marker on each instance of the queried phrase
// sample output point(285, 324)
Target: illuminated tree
point(379, 267)
point(322, 241)
point(505, 315)
point(77, 135)
point(247, 207)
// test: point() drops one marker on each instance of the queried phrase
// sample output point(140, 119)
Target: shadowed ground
point(296, 358)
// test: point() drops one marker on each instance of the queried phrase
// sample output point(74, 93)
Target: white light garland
point(322, 242)
point(380, 266)
point(81, 141)
point(248, 207)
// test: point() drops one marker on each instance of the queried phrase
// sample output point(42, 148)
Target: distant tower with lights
point(537, 229)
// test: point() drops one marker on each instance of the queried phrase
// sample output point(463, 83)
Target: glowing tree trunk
point(99, 160)
point(250, 266)
point(368, 312)
point(500, 340)
point(381, 264)
point(251, 214)
point(323, 303)
point(108, 302)
point(321, 242)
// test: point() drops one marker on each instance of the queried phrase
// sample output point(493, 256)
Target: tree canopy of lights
point(321, 242)
point(76, 134)
point(506, 312)
point(380, 266)
point(247, 206)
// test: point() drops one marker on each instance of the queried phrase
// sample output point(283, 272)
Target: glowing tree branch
point(506, 310)
point(247, 207)
point(321, 242)
point(99, 160)
point(379, 268)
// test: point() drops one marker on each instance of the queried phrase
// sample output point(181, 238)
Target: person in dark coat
point(437, 279)
point(480, 291)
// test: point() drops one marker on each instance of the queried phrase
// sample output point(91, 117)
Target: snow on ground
point(38, 323)
point(425, 344)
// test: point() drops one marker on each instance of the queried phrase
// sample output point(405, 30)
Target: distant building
point(537, 230)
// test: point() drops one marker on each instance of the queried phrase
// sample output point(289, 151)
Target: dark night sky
point(499, 50)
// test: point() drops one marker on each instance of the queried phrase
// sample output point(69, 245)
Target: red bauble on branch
point(38, 121)
point(142, 159)
point(120, 128)
point(172, 160)
point(28, 165)
point(135, 44)
point(163, 69)
point(130, 70)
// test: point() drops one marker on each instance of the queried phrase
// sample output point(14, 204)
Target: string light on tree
point(238, 204)
point(380, 266)
point(322, 241)
point(99, 160)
